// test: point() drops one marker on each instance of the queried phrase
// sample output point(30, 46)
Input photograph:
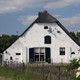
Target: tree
point(75, 65)
point(73, 35)
point(6, 41)
point(78, 34)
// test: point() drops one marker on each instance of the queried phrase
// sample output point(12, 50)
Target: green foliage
point(15, 74)
point(73, 35)
point(77, 78)
point(74, 64)
point(6, 41)
point(78, 34)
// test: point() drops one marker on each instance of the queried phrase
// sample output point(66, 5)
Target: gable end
point(67, 32)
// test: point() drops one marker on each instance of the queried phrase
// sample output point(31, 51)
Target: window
point(45, 27)
point(18, 53)
point(58, 32)
point(72, 52)
point(47, 39)
point(10, 58)
point(36, 50)
point(62, 50)
point(39, 54)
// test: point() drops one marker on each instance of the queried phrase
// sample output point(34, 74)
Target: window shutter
point(31, 55)
point(47, 55)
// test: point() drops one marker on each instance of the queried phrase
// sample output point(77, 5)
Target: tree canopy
point(6, 41)
point(78, 34)
point(73, 35)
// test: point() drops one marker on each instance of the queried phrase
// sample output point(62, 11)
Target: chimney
point(45, 11)
point(40, 14)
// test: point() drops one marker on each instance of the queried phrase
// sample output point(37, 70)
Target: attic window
point(45, 27)
point(58, 32)
point(18, 53)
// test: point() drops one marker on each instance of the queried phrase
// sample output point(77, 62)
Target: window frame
point(45, 27)
point(47, 39)
point(39, 54)
point(11, 58)
point(72, 53)
point(18, 53)
point(62, 50)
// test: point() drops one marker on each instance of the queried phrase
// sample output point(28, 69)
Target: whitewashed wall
point(34, 37)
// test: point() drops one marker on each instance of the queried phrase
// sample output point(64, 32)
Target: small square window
point(45, 27)
point(62, 50)
point(10, 58)
point(18, 53)
point(58, 32)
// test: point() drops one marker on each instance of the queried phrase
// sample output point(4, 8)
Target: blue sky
point(17, 15)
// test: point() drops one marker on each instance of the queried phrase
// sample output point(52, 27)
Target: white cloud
point(10, 5)
point(27, 20)
point(61, 3)
point(16, 5)
point(69, 21)
point(7, 6)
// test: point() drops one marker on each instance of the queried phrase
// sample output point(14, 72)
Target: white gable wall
point(11, 52)
point(34, 37)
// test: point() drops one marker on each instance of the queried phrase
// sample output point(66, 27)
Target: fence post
point(43, 72)
point(59, 73)
point(23, 67)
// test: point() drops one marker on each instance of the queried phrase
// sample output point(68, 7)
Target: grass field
point(7, 73)
point(35, 72)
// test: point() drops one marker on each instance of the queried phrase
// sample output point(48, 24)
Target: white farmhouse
point(45, 40)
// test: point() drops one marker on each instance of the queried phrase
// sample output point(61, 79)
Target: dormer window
point(45, 27)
